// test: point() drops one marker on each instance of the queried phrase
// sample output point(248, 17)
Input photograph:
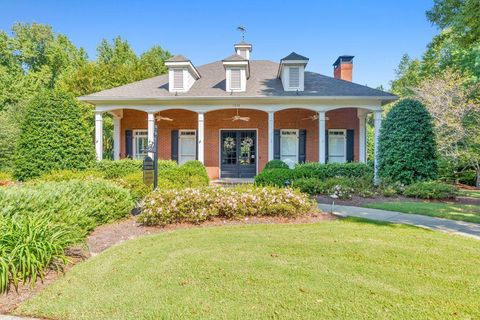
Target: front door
point(238, 153)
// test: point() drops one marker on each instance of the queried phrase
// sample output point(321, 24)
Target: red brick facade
point(217, 120)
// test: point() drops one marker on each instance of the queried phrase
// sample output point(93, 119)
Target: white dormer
point(237, 71)
point(181, 74)
point(243, 49)
point(291, 71)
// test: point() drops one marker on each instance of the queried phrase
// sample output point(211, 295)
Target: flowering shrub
point(200, 204)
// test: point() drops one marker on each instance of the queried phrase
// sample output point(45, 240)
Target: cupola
point(182, 74)
point(291, 71)
point(243, 49)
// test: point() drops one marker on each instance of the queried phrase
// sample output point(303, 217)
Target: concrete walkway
point(450, 226)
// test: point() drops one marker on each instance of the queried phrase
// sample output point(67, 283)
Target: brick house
point(236, 114)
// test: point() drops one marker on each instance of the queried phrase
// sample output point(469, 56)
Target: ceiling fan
point(313, 117)
point(159, 117)
point(237, 117)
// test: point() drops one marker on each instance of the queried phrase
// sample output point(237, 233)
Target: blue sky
point(376, 32)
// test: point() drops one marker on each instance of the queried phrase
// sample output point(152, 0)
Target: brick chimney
point(343, 68)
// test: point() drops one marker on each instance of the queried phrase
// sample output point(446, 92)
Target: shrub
point(28, 245)
point(190, 174)
point(111, 169)
point(332, 170)
point(407, 149)
point(431, 190)
point(53, 136)
point(274, 177)
point(65, 175)
point(200, 204)
point(341, 188)
point(134, 183)
point(79, 204)
point(276, 164)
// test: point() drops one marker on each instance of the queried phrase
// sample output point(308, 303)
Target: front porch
point(237, 143)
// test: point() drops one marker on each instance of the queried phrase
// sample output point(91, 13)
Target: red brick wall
point(216, 120)
point(344, 71)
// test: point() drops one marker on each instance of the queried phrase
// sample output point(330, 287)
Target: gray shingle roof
point(177, 58)
point(263, 82)
point(235, 57)
point(294, 56)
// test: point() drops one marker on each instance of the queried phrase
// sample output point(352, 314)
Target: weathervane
point(242, 29)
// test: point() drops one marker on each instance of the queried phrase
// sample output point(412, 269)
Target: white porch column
point(99, 135)
point(378, 124)
point(201, 135)
point(321, 136)
point(271, 128)
point(150, 130)
point(116, 137)
point(362, 133)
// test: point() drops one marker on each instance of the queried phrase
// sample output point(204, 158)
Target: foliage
point(196, 205)
point(53, 137)
point(190, 175)
point(336, 188)
point(30, 244)
point(331, 170)
point(430, 190)
point(8, 139)
point(66, 175)
point(407, 144)
point(450, 100)
point(275, 177)
point(274, 164)
point(39, 220)
point(118, 168)
point(134, 182)
point(407, 76)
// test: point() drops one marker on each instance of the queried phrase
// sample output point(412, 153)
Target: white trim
point(220, 147)
point(201, 136)
point(134, 141)
point(344, 131)
point(99, 134)
point(271, 134)
point(321, 137)
point(377, 124)
point(297, 147)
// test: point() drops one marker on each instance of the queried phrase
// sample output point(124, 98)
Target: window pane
point(289, 146)
point(336, 147)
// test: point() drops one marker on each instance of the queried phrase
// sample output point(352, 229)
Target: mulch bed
point(109, 235)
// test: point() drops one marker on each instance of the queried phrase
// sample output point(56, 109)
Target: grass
point(447, 210)
point(470, 193)
point(344, 269)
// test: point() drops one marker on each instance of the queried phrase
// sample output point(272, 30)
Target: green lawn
point(454, 211)
point(470, 193)
point(344, 269)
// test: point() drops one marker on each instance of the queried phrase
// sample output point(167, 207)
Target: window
point(187, 146)
point(337, 146)
point(178, 79)
point(140, 143)
point(235, 82)
point(289, 147)
point(294, 77)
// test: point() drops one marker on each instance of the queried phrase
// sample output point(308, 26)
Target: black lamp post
point(152, 148)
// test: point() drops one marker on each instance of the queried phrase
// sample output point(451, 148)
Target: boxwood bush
point(431, 190)
point(275, 177)
point(195, 205)
point(275, 164)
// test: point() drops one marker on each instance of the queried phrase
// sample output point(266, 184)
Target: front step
point(226, 182)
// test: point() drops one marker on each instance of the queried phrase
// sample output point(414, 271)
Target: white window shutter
point(235, 79)
point(294, 77)
point(178, 79)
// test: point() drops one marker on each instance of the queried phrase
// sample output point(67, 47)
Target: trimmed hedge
point(278, 177)
point(276, 164)
point(196, 205)
point(407, 148)
point(53, 136)
point(431, 190)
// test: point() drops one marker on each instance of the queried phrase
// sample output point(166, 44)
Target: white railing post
point(99, 135)
point(362, 135)
point(116, 137)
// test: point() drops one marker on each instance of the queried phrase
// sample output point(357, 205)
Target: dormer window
point(237, 71)
point(235, 79)
point(182, 74)
point(294, 77)
point(178, 79)
point(292, 72)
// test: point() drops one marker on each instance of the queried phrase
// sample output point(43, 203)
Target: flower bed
point(200, 204)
